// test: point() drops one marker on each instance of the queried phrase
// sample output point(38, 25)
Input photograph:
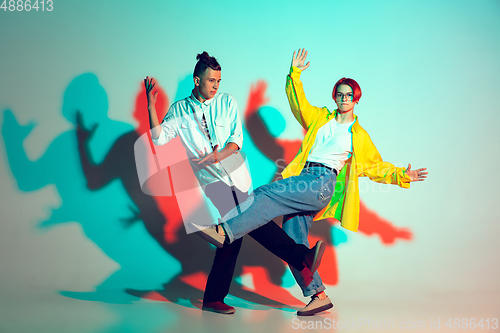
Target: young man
point(322, 180)
point(205, 121)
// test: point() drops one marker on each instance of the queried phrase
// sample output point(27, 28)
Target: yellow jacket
point(365, 160)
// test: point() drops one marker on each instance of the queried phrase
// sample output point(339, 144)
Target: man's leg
point(276, 241)
point(221, 273)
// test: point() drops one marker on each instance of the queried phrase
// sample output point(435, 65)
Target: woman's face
point(344, 98)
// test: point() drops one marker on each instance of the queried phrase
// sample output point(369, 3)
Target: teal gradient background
point(430, 76)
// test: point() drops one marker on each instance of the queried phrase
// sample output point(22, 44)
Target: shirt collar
point(198, 103)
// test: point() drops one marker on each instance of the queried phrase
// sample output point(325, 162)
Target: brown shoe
point(218, 307)
point(213, 234)
point(313, 256)
point(316, 305)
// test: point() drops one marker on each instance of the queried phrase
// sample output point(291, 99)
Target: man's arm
point(153, 117)
point(302, 110)
point(236, 135)
point(234, 142)
point(158, 135)
point(217, 156)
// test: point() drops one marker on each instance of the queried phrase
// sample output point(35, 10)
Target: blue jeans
point(302, 196)
point(297, 227)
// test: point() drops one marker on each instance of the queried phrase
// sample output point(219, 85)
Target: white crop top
point(333, 145)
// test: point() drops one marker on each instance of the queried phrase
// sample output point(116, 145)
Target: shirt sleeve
point(168, 131)
point(372, 166)
point(302, 110)
point(236, 135)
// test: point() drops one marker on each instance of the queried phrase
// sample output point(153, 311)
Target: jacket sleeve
point(302, 110)
point(371, 165)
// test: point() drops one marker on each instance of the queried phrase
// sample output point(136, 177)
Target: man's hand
point(216, 156)
point(151, 95)
point(153, 117)
point(416, 175)
point(299, 59)
point(207, 158)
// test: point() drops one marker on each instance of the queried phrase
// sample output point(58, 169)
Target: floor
point(358, 309)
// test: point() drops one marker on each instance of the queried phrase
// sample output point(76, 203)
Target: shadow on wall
point(101, 214)
point(93, 169)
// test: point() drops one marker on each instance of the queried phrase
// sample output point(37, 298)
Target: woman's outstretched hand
point(299, 58)
point(416, 175)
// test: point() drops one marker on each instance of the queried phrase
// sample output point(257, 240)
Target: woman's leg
point(310, 191)
point(297, 227)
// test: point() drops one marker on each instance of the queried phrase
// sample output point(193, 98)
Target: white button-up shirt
point(184, 119)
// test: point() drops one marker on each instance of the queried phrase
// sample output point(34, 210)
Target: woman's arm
point(302, 110)
point(371, 165)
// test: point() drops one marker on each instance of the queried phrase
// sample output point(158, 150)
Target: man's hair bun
point(203, 57)
point(205, 61)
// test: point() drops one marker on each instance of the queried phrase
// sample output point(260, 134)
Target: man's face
point(344, 98)
point(208, 83)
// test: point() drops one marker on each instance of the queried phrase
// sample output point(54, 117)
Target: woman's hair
point(205, 61)
point(356, 90)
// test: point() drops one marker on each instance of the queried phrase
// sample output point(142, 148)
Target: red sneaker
point(218, 307)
